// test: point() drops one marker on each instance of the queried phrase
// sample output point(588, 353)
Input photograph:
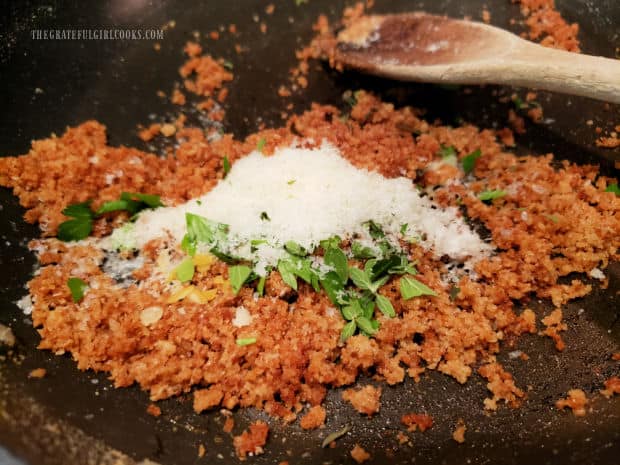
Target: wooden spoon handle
point(531, 65)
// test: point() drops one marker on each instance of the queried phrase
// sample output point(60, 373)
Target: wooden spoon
point(424, 47)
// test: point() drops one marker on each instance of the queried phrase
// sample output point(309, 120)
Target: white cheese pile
point(309, 195)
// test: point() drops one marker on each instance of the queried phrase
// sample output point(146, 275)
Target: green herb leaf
point(403, 228)
point(238, 275)
point(411, 287)
point(75, 230)
point(613, 188)
point(245, 341)
point(336, 258)
point(366, 325)
point(151, 201)
point(469, 161)
point(295, 249)
point(348, 330)
point(332, 242)
point(260, 145)
point(79, 210)
point(360, 278)
point(337, 434)
point(491, 195)
point(447, 151)
point(553, 218)
point(117, 205)
point(287, 271)
point(454, 292)
point(185, 271)
point(334, 287)
point(228, 65)
point(291, 182)
point(374, 230)
point(385, 306)
point(360, 251)
point(201, 229)
point(260, 287)
point(188, 245)
point(77, 288)
point(226, 165)
point(264, 216)
point(353, 310)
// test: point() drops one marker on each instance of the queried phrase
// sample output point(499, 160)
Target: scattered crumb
point(167, 130)
point(192, 49)
point(516, 122)
point(615, 356)
point(610, 142)
point(154, 410)
point(414, 421)
point(612, 386)
point(251, 442)
point(149, 133)
point(359, 454)
point(7, 337)
point(201, 451)
point(229, 424)
point(37, 373)
point(205, 399)
point(365, 400)
point(502, 385)
point(554, 325)
point(157, 46)
point(263, 28)
point(486, 16)
point(214, 35)
point(459, 433)
point(576, 400)
point(269, 9)
point(314, 418)
point(178, 97)
point(402, 438)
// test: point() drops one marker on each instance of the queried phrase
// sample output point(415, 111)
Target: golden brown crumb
point(610, 142)
point(554, 325)
point(365, 399)
point(201, 451)
point(501, 384)
point(263, 28)
point(402, 438)
point(37, 373)
point(229, 424)
point(576, 400)
point(232, 28)
point(486, 16)
point(252, 441)
point(615, 356)
point(161, 94)
point(284, 92)
point(178, 98)
point(517, 123)
point(167, 129)
point(205, 399)
point(459, 432)
point(150, 132)
point(612, 386)
point(153, 410)
point(203, 75)
point(414, 421)
point(547, 25)
point(314, 418)
point(535, 114)
point(192, 49)
point(359, 454)
point(214, 35)
point(269, 9)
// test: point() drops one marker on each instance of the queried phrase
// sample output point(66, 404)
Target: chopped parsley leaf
point(185, 271)
point(260, 145)
point(491, 195)
point(238, 275)
point(613, 188)
point(226, 165)
point(411, 287)
point(245, 341)
point(77, 288)
point(469, 161)
point(264, 216)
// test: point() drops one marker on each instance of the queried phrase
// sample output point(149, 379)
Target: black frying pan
point(77, 417)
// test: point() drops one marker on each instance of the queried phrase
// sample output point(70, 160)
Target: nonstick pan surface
point(73, 417)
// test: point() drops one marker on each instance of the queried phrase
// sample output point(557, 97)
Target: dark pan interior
point(77, 417)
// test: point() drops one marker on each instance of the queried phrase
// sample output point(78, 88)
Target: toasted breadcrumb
point(201, 450)
point(314, 418)
point(37, 373)
point(365, 400)
point(251, 441)
point(153, 410)
point(229, 424)
point(359, 454)
point(459, 432)
point(554, 325)
point(414, 421)
point(612, 386)
point(205, 399)
point(576, 401)
point(502, 385)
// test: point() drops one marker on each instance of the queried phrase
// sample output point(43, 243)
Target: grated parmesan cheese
point(309, 195)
